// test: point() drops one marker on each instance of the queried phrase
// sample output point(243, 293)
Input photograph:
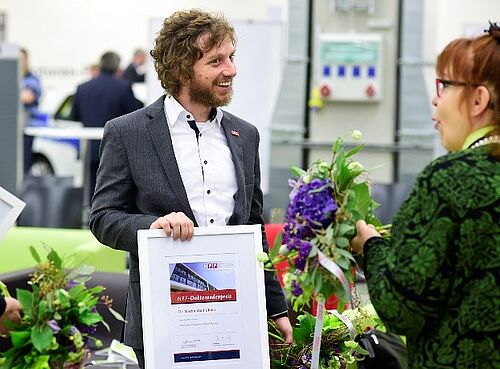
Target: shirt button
point(205, 162)
point(208, 192)
point(211, 221)
point(200, 134)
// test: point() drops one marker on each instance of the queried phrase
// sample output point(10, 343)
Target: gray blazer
point(138, 180)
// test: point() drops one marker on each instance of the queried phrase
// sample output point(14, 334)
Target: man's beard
point(205, 95)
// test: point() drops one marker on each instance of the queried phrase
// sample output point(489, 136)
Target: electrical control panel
point(350, 67)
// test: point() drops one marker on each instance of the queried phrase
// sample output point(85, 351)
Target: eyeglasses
point(441, 84)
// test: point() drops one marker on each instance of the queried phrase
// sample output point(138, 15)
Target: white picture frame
point(10, 208)
point(216, 316)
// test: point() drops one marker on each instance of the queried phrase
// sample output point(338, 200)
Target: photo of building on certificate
point(204, 301)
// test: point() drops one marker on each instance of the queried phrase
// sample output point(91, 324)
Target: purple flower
point(71, 284)
point(73, 330)
point(311, 207)
point(54, 326)
point(296, 290)
point(305, 248)
point(306, 359)
point(87, 329)
point(300, 262)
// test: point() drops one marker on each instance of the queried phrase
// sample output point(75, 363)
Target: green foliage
point(59, 314)
point(338, 348)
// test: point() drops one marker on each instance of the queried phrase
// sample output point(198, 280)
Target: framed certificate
point(203, 300)
point(10, 208)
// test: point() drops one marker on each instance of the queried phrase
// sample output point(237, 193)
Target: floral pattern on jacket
point(436, 279)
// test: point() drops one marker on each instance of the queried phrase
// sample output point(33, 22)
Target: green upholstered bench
point(79, 246)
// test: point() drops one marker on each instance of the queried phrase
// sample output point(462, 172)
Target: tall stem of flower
point(276, 337)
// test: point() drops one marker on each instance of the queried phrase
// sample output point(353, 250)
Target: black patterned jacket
point(436, 279)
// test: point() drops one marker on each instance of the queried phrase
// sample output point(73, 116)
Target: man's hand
point(12, 313)
point(285, 327)
point(177, 225)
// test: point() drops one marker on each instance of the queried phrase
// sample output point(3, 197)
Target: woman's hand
point(363, 233)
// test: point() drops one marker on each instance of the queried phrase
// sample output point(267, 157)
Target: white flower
point(323, 166)
point(284, 250)
point(262, 257)
point(355, 166)
point(356, 135)
point(288, 278)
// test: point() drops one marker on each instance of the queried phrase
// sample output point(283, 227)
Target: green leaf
point(117, 315)
point(345, 228)
point(90, 318)
point(19, 338)
point(360, 350)
point(346, 254)
point(354, 151)
point(276, 246)
point(363, 199)
point(25, 297)
point(337, 145)
point(35, 255)
point(302, 335)
point(375, 204)
point(42, 308)
point(343, 263)
point(42, 362)
point(341, 168)
point(85, 270)
point(313, 252)
point(342, 242)
point(329, 234)
point(54, 257)
point(63, 297)
point(296, 171)
point(76, 290)
point(96, 290)
point(106, 325)
point(331, 322)
point(41, 337)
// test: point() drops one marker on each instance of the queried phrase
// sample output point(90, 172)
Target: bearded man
point(182, 162)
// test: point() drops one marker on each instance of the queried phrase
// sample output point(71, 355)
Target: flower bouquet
point(59, 317)
point(325, 203)
point(338, 350)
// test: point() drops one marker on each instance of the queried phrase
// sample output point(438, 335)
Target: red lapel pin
point(235, 133)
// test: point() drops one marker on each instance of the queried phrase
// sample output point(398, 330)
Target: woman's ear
point(480, 101)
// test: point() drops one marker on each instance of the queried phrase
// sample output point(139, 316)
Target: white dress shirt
point(205, 164)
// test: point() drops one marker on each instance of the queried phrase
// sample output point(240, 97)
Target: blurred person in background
point(435, 280)
point(31, 91)
point(93, 70)
point(100, 99)
point(136, 71)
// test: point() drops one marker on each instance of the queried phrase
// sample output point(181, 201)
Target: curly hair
point(177, 46)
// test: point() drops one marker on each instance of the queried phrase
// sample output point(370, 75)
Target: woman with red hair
point(436, 279)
